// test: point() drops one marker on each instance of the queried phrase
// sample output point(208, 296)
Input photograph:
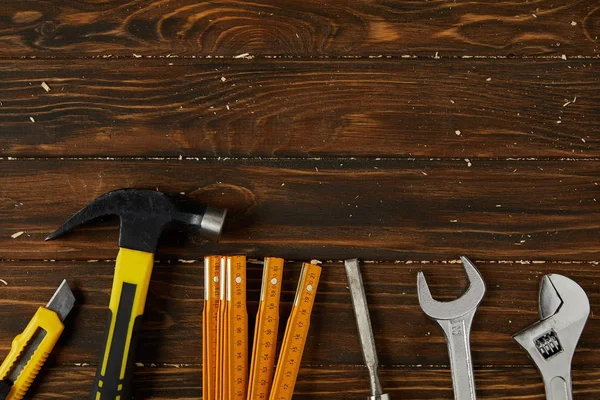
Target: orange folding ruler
point(210, 321)
point(236, 383)
point(296, 333)
point(266, 329)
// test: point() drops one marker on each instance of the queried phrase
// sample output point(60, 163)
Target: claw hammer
point(143, 215)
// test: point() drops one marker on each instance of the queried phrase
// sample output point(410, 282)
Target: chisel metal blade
point(365, 331)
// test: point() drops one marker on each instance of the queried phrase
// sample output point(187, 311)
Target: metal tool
point(30, 349)
point(143, 214)
point(296, 332)
point(266, 330)
point(365, 331)
point(551, 342)
point(455, 318)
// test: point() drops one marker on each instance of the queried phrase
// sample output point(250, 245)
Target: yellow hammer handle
point(127, 301)
point(45, 322)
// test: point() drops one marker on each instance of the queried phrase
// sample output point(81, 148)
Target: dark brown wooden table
point(403, 133)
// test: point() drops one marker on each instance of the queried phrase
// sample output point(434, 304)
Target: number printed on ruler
point(238, 327)
point(296, 333)
point(267, 324)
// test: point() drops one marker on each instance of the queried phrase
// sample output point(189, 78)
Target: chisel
point(365, 331)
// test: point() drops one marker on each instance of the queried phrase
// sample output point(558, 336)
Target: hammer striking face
point(143, 215)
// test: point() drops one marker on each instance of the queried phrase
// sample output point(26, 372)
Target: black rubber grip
point(110, 385)
point(5, 386)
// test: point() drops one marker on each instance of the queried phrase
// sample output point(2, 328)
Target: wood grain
point(326, 209)
point(162, 383)
point(374, 108)
point(405, 336)
point(302, 29)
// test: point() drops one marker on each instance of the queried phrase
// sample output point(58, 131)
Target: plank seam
point(260, 262)
point(343, 366)
point(247, 57)
point(324, 158)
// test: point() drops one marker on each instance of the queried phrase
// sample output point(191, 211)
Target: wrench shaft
point(458, 332)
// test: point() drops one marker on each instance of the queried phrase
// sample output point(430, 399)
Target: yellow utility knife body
point(210, 321)
point(295, 335)
point(266, 330)
point(30, 349)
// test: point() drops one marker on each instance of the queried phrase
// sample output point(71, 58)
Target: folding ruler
point(231, 366)
point(296, 333)
point(210, 321)
point(265, 333)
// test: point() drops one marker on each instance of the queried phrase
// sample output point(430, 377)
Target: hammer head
point(144, 214)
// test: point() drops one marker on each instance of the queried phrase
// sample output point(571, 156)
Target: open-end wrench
point(551, 342)
point(455, 318)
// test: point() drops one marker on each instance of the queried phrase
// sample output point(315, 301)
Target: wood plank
point(353, 108)
point(303, 29)
point(326, 209)
point(405, 336)
point(324, 383)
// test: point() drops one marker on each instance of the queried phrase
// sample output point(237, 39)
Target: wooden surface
point(289, 108)
point(403, 133)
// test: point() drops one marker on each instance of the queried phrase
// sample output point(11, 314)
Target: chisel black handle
point(127, 301)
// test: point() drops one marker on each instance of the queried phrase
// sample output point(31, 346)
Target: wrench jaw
point(455, 318)
point(439, 310)
point(551, 342)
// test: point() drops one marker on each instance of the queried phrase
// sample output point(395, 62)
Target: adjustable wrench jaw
point(551, 342)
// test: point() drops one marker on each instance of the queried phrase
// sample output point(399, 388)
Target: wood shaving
point(223, 79)
point(468, 162)
point(573, 23)
point(316, 262)
point(564, 57)
point(247, 56)
point(4, 282)
point(17, 234)
point(31, 119)
point(46, 87)
point(458, 132)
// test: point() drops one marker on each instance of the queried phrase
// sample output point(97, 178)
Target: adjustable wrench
point(551, 342)
point(455, 318)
